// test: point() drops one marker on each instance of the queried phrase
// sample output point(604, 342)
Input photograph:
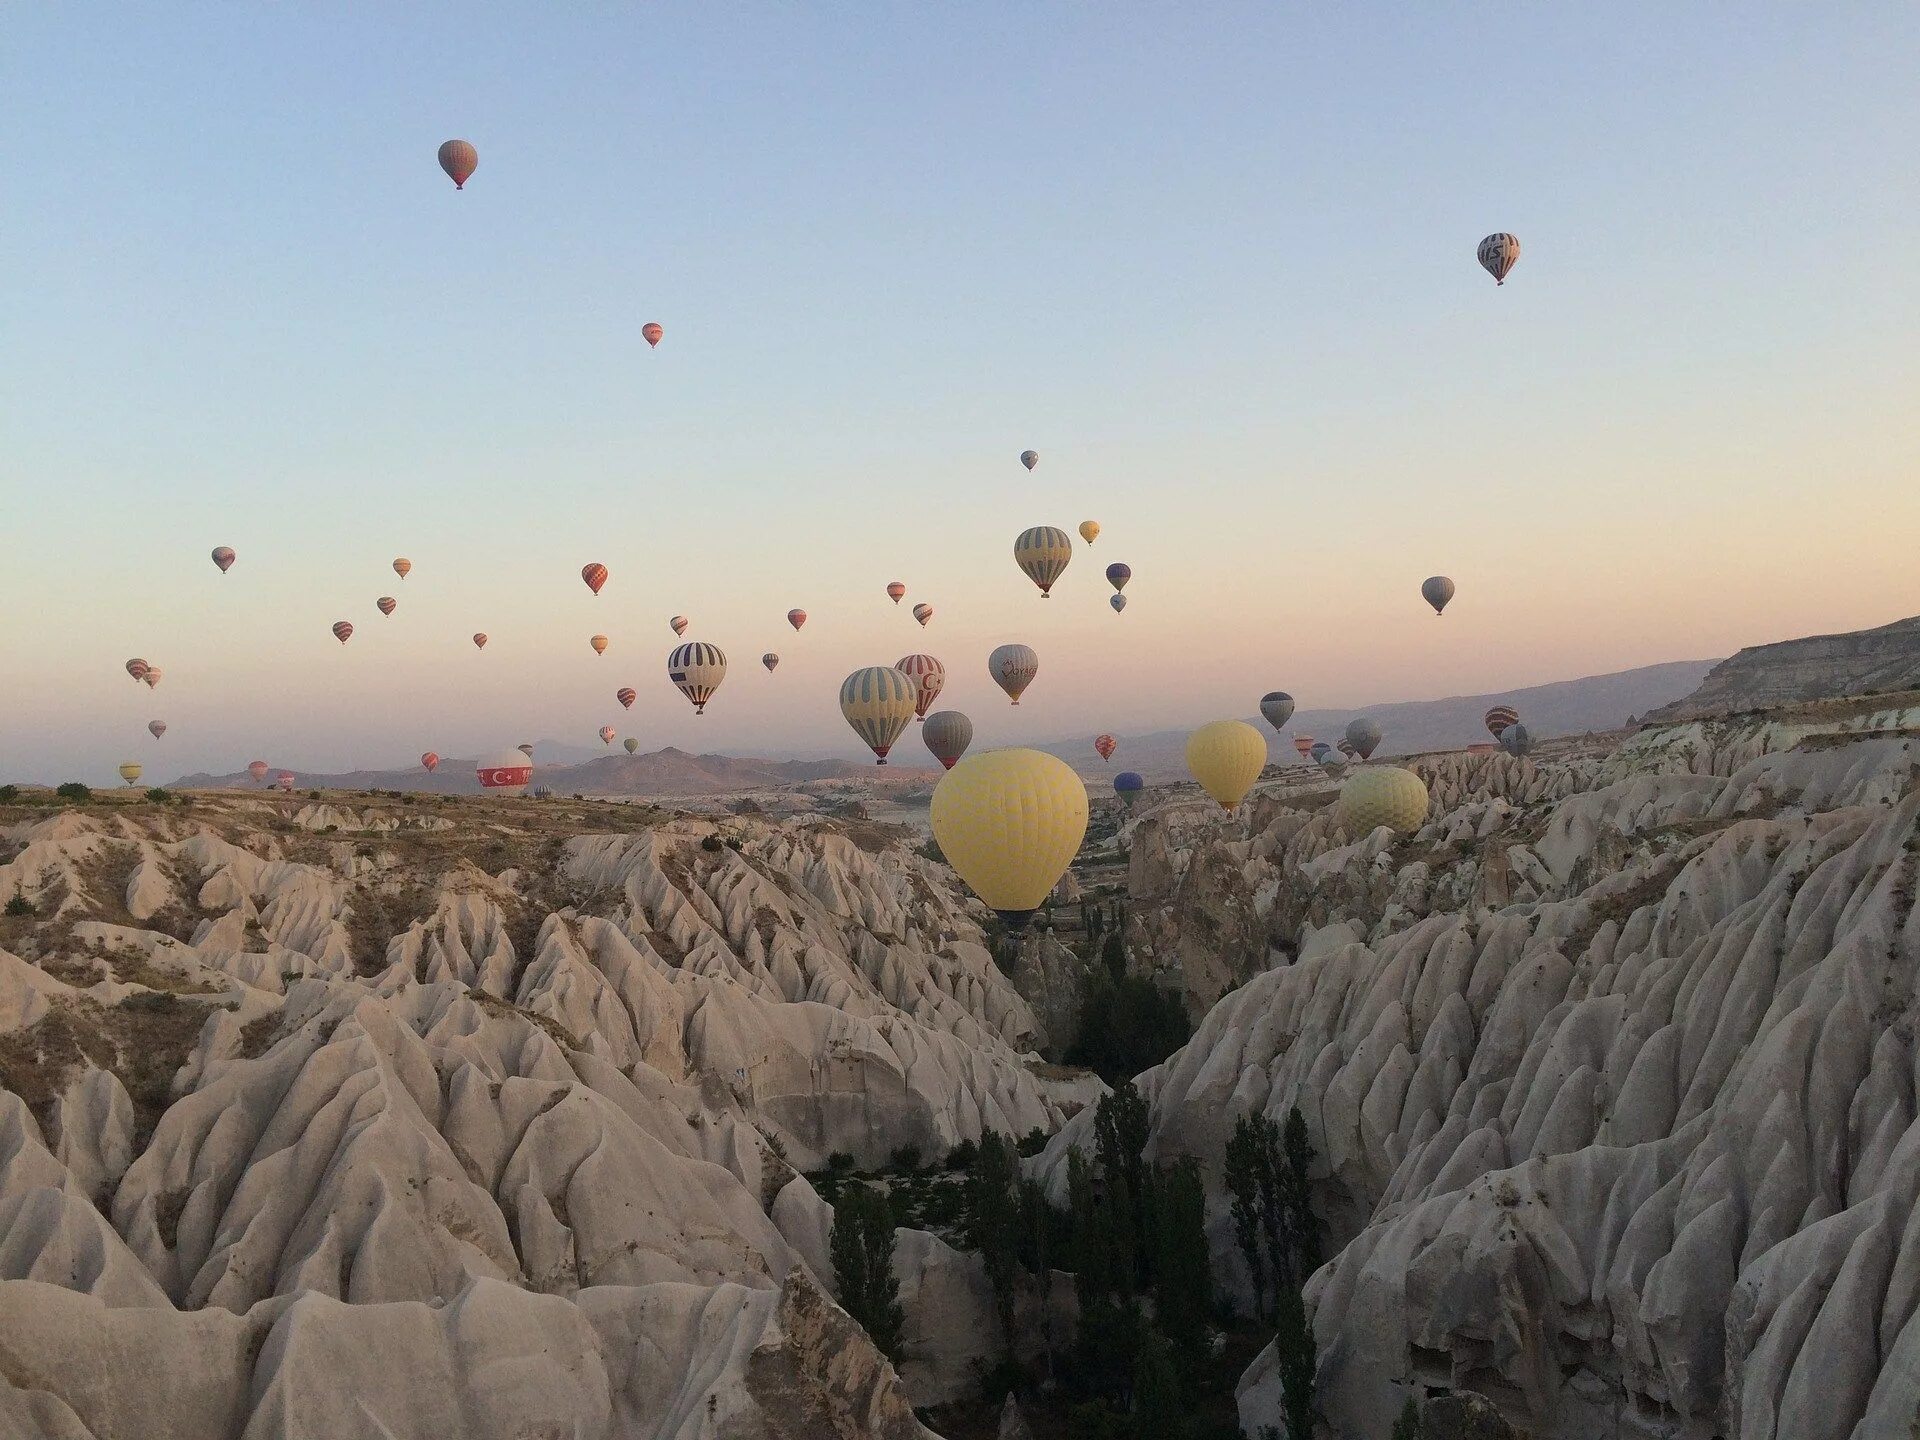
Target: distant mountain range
point(1815, 667)
point(1566, 707)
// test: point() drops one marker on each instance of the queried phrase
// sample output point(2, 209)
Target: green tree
point(1294, 1348)
point(1120, 1135)
point(1303, 1229)
point(1408, 1426)
point(1253, 1186)
point(861, 1245)
point(1182, 1274)
point(1157, 1409)
point(1087, 1251)
point(993, 1223)
point(1121, 1233)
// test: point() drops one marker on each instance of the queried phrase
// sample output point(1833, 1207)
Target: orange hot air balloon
point(796, 618)
point(402, 566)
point(626, 695)
point(342, 631)
point(606, 734)
point(897, 591)
point(923, 612)
point(679, 624)
point(651, 332)
point(1106, 745)
point(459, 159)
point(138, 668)
point(431, 761)
point(595, 575)
point(599, 643)
point(258, 770)
point(386, 604)
point(152, 676)
point(479, 639)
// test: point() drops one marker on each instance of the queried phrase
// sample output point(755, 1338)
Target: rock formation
point(1818, 667)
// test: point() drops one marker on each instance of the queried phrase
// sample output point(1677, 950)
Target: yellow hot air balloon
point(130, 772)
point(1042, 553)
point(1226, 757)
point(1089, 530)
point(599, 644)
point(1383, 795)
point(1010, 822)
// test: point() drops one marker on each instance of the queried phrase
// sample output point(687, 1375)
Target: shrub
point(839, 1163)
point(861, 1244)
point(711, 844)
point(19, 905)
point(962, 1156)
point(905, 1157)
point(74, 791)
point(9, 794)
point(1032, 1143)
point(160, 796)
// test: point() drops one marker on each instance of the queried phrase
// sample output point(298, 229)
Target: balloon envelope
point(651, 333)
point(770, 660)
point(1497, 254)
point(1105, 745)
point(152, 677)
point(157, 727)
point(923, 612)
point(606, 734)
point(929, 677)
point(1438, 590)
point(1118, 575)
point(223, 557)
point(895, 591)
point(679, 624)
point(429, 760)
point(1364, 735)
point(1013, 668)
point(595, 575)
point(877, 702)
point(1127, 785)
point(1276, 707)
point(599, 644)
point(1118, 602)
point(1042, 553)
point(1029, 458)
point(284, 780)
point(386, 604)
point(697, 670)
point(138, 670)
point(1226, 757)
point(947, 733)
point(626, 695)
point(1516, 739)
point(342, 631)
point(1382, 795)
point(258, 770)
point(631, 744)
point(1089, 530)
point(796, 618)
point(1499, 718)
point(508, 773)
point(459, 159)
point(1010, 822)
point(402, 566)
point(479, 639)
point(130, 772)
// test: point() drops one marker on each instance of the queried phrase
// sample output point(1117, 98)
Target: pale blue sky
point(1215, 263)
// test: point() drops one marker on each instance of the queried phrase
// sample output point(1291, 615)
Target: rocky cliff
point(1818, 667)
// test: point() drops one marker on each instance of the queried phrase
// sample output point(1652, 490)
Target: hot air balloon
point(157, 728)
point(1499, 717)
point(626, 695)
point(1364, 735)
point(223, 557)
point(1127, 785)
point(1345, 747)
point(1318, 754)
point(1516, 739)
point(525, 747)
point(1118, 575)
point(431, 761)
point(152, 676)
point(130, 772)
point(697, 669)
point(1013, 668)
point(929, 677)
point(508, 773)
point(679, 624)
point(402, 566)
point(1277, 707)
point(258, 770)
point(595, 575)
point(796, 618)
point(651, 333)
point(1042, 553)
point(1089, 530)
point(770, 660)
point(923, 612)
point(1437, 590)
point(631, 744)
point(1303, 744)
point(1226, 757)
point(285, 781)
point(138, 670)
point(342, 631)
point(1105, 745)
point(895, 590)
point(1010, 822)
point(1497, 255)
point(606, 734)
point(459, 160)
point(947, 733)
point(386, 604)
point(1118, 602)
point(878, 702)
point(479, 639)
point(599, 644)
point(1029, 458)
point(1382, 795)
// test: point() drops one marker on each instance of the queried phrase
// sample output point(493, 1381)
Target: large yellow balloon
point(1010, 821)
point(1226, 757)
point(1383, 795)
point(130, 772)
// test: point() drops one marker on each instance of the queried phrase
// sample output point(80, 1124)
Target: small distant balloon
point(429, 760)
point(342, 631)
point(1499, 718)
point(796, 618)
point(459, 160)
point(1276, 707)
point(1118, 575)
point(631, 744)
point(1437, 590)
point(929, 677)
point(877, 702)
point(651, 333)
point(1497, 255)
point(258, 770)
point(284, 780)
point(626, 695)
point(923, 612)
point(1105, 745)
point(152, 677)
point(606, 734)
point(1118, 602)
point(1029, 458)
point(947, 733)
point(386, 604)
point(1089, 530)
point(679, 624)
point(599, 644)
point(479, 639)
point(1304, 745)
point(1042, 553)
point(896, 591)
point(1128, 785)
point(402, 566)
point(595, 575)
point(223, 557)
point(771, 661)
point(138, 668)
point(1364, 735)
point(157, 728)
point(1013, 668)
point(130, 772)
point(1346, 748)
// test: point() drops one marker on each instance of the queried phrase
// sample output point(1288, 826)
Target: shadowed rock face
point(1818, 667)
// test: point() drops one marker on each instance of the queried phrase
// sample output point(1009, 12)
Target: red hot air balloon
point(152, 676)
point(606, 734)
point(626, 695)
point(431, 761)
point(386, 604)
point(223, 557)
point(258, 770)
point(1106, 745)
point(284, 780)
point(342, 631)
point(923, 612)
point(897, 591)
point(679, 624)
point(796, 618)
point(479, 639)
point(138, 668)
point(651, 332)
point(459, 160)
point(1304, 744)
point(595, 575)
point(505, 774)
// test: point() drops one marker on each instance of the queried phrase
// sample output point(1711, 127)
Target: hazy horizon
point(1220, 275)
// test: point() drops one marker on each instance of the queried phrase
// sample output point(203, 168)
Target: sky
point(1216, 266)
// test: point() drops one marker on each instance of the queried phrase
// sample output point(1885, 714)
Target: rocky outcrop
point(1818, 667)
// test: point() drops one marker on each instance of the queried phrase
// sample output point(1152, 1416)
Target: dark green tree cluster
point(1127, 1023)
point(1273, 1222)
point(861, 1246)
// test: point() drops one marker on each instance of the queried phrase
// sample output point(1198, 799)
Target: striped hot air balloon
point(430, 761)
point(606, 734)
point(386, 604)
point(679, 624)
point(1499, 717)
point(599, 644)
point(1013, 668)
point(138, 668)
point(1436, 590)
point(1304, 744)
point(796, 617)
point(151, 676)
point(947, 734)
point(771, 661)
point(342, 631)
point(479, 639)
point(1105, 745)
point(285, 781)
point(878, 701)
point(130, 771)
point(697, 669)
point(258, 770)
point(923, 612)
point(1277, 707)
point(651, 333)
point(595, 575)
point(1042, 553)
point(896, 591)
point(459, 159)
point(402, 566)
point(928, 674)
point(1497, 255)
point(223, 557)
point(1346, 748)
point(626, 695)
